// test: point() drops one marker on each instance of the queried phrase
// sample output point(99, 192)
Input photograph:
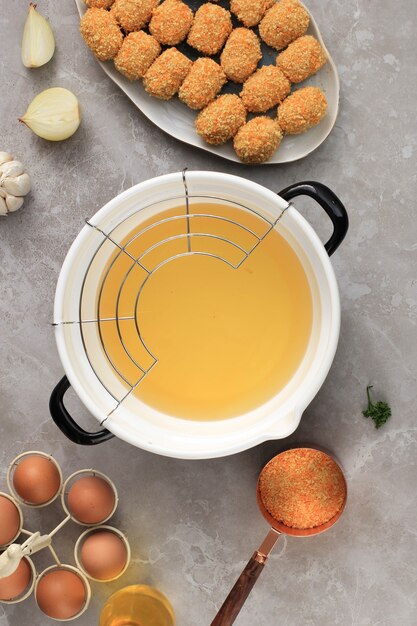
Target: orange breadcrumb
point(257, 140)
point(166, 74)
point(303, 109)
point(302, 488)
point(133, 14)
point(99, 4)
point(283, 23)
point(101, 33)
point(265, 89)
point(241, 54)
point(139, 50)
point(303, 58)
point(250, 12)
point(221, 119)
point(212, 26)
point(202, 84)
point(171, 22)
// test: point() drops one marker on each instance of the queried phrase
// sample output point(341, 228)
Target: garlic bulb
point(38, 43)
point(14, 184)
point(54, 114)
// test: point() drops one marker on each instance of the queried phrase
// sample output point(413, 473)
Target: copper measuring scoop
point(231, 607)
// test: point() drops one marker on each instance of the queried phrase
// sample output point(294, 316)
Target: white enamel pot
point(145, 427)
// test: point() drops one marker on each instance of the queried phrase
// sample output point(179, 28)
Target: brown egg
point(103, 555)
point(61, 594)
point(9, 520)
point(14, 585)
point(36, 479)
point(91, 500)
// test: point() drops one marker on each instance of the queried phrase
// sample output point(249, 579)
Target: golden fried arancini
point(202, 83)
point(303, 58)
point(101, 33)
point(250, 12)
point(166, 75)
point(303, 109)
point(133, 14)
point(257, 140)
point(266, 88)
point(221, 119)
point(99, 4)
point(285, 21)
point(241, 54)
point(171, 22)
point(212, 26)
point(139, 50)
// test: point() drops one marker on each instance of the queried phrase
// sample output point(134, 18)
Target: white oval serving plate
point(177, 120)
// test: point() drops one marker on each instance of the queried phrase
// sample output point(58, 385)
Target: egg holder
point(37, 542)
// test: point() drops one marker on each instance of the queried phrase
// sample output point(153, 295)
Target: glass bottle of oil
point(137, 605)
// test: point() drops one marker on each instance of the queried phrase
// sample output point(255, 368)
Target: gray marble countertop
point(193, 525)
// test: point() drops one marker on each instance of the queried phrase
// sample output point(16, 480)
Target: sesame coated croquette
point(257, 140)
point(221, 119)
point(166, 75)
point(241, 54)
point(133, 14)
point(202, 84)
point(101, 33)
point(265, 89)
point(171, 22)
point(139, 50)
point(212, 26)
point(285, 21)
point(99, 4)
point(303, 109)
point(250, 12)
point(303, 58)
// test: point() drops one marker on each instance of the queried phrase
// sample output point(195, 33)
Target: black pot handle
point(65, 422)
point(329, 202)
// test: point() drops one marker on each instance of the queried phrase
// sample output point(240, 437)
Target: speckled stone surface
point(193, 525)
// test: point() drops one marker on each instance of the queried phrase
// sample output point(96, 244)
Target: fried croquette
point(99, 4)
point(250, 12)
point(133, 14)
point(202, 83)
point(266, 88)
point(101, 33)
point(285, 21)
point(257, 140)
point(221, 119)
point(303, 58)
point(139, 50)
point(241, 54)
point(166, 75)
point(303, 109)
point(212, 26)
point(171, 22)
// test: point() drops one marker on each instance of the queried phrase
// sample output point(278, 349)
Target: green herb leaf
point(379, 412)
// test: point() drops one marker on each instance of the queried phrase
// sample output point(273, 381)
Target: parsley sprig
point(380, 412)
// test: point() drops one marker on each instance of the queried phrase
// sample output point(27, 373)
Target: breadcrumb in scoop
point(257, 140)
point(101, 33)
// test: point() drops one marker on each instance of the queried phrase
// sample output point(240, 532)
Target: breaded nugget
point(133, 14)
point(250, 12)
point(265, 89)
point(303, 109)
point(139, 50)
point(241, 54)
point(202, 84)
point(256, 141)
point(101, 33)
point(301, 59)
point(283, 23)
point(99, 4)
point(166, 75)
point(212, 26)
point(221, 119)
point(171, 22)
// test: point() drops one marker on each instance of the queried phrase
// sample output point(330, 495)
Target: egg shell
point(14, 585)
point(9, 521)
point(91, 500)
point(36, 479)
point(61, 594)
point(103, 555)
